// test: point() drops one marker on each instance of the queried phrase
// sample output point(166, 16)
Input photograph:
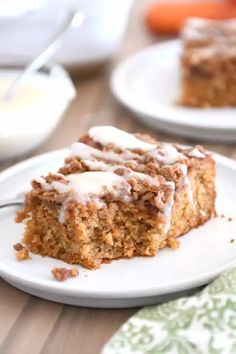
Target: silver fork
point(18, 200)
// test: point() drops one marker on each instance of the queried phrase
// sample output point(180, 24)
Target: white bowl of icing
point(28, 118)
point(94, 42)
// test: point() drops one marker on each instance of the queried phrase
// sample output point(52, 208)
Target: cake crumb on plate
point(22, 254)
point(62, 274)
point(18, 246)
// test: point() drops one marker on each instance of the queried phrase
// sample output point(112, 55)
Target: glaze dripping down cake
point(208, 63)
point(118, 195)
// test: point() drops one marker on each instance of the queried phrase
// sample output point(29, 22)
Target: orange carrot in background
point(232, 2)
point(168, 17)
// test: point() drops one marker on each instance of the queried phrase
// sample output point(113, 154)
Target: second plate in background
point(148, 83)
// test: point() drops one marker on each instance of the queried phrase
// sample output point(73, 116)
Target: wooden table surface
point(29, 325)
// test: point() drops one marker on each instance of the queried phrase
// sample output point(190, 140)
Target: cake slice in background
point(208, 63)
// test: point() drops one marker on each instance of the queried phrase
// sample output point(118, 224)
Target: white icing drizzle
point(187, 183)
point(197, 22)
point(62, 213)
point(128, 172)
point(43, 183)
point(86, 152)
point(194, 28)
point(203, 29)
point(92, 186)
point(168, 208)
point(166, 154)
point(196, 153)
point(110, 135)
point(101, 179)
point(96, 165)
point(86, 184)
point(202, 212)
point(223, 50)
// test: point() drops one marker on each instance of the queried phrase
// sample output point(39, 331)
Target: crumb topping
point(110, 163)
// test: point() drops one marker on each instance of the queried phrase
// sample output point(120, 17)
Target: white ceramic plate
point(203, 254)
point(148, 83)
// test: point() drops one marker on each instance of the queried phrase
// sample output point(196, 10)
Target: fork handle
point(10, 202)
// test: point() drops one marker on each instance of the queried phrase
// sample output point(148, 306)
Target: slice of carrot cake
point(208, 63)
point(118, 195)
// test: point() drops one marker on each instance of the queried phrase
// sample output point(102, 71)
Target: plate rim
point(7, 272)
point(116, 85)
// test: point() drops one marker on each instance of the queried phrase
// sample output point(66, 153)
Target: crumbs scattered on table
point(232, 240)
point(62, 274)
point(22, 254)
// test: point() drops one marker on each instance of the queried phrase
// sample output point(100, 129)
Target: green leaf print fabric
point(204, 323)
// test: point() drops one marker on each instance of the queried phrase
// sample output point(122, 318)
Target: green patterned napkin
point(201, 324)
